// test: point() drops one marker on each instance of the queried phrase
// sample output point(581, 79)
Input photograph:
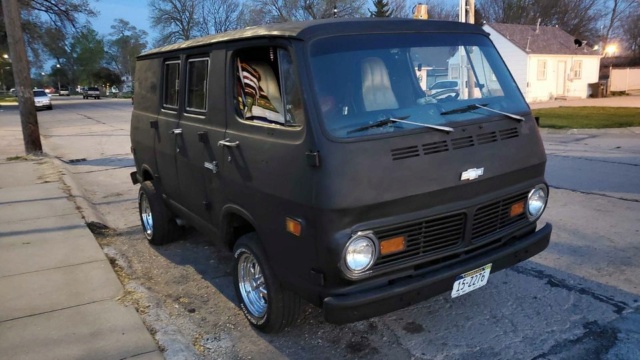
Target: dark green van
point(318, 154)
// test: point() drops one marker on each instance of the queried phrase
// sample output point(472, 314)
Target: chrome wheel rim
point(147, 217)
point(252, 285)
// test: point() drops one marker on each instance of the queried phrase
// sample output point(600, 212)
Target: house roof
point(548, 40)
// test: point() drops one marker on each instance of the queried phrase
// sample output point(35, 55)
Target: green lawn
point(588, 117)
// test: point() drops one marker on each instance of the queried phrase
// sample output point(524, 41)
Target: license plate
point(471, 280)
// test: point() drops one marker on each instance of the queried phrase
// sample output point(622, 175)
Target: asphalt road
point(580, 299)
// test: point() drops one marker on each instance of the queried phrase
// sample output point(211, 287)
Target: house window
point(542, 69)
point(197, 76)
point(171, 83)
point(577, 69)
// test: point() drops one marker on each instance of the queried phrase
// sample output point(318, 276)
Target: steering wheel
point(445, 95)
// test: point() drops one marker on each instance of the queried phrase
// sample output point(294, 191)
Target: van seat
point(376, 86)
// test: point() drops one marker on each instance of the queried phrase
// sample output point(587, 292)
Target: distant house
point(545, 61)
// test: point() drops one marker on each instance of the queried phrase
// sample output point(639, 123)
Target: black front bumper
point(363, 305)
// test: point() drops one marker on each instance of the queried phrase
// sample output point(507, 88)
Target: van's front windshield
point(385, 83)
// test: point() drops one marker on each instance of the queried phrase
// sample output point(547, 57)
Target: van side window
point(197, 77)
point(267, 87)
point(171, 84)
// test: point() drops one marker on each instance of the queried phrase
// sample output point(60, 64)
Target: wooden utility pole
point(21, 74)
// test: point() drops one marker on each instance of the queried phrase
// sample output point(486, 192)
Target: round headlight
point(537, 202)
point(360, 253)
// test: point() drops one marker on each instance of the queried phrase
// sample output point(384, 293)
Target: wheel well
point(146, 175)
point(235, 227)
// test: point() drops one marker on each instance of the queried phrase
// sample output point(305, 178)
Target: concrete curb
point(87, 209)
point(629, 130)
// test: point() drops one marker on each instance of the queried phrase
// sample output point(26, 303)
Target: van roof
point(307, 30)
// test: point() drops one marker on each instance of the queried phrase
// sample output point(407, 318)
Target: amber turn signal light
point(294, 226)
point(517, 209)
point(393, 245)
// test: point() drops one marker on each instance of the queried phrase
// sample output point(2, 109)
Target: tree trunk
point(21, 74)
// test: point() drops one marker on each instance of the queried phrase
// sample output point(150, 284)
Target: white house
point(545, 61)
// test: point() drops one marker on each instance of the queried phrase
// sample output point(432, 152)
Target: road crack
point(553, 281)
point(595, 193)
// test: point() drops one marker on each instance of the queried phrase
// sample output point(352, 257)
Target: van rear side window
point(171, 84)
point(197, 76)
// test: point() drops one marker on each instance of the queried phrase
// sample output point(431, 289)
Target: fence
point(624, 79)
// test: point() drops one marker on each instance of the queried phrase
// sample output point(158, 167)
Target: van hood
point(488, 156)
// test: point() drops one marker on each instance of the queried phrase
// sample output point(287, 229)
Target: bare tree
point(439, 10)
point(577, 17)
point(400, 8)
point(619, 8)
point(273, 11)
point(631, 32)
point(218, 16)
point(175, 20)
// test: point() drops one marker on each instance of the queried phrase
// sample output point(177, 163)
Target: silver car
point(42, 99)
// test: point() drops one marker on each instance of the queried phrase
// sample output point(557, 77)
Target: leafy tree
point(106, 76)
point(124, 44)
point(38, 15)
point(88, 50)
point(381, 9)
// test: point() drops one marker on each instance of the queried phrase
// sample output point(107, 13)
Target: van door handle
point(175, 131)
point(227, 142)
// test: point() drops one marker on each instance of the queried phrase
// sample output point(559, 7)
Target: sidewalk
point(57, 289)
point(614, 101)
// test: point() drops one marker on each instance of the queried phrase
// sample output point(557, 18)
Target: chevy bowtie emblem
point(471, 174)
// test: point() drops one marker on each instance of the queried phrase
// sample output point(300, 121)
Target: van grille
point(424, 237)
point(491, 218)
point(454, 144)
point(443, 236)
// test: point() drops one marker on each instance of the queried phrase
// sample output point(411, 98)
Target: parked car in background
point(443, 85)
point(42, 99)
point(63, 91)
point(93, 92)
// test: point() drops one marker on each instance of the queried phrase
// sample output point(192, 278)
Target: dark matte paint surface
point(267, 178)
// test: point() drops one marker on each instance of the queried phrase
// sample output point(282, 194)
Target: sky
point(134, 11)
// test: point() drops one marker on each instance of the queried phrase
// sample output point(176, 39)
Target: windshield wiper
point(513, 116)
point(463, 109)
point(400, 119)
point(472, 107)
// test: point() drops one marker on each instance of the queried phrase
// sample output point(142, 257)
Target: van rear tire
point(157, 222)
point(267, 306)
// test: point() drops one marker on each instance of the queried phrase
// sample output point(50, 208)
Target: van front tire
point(158, 224)
point(266, 305)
